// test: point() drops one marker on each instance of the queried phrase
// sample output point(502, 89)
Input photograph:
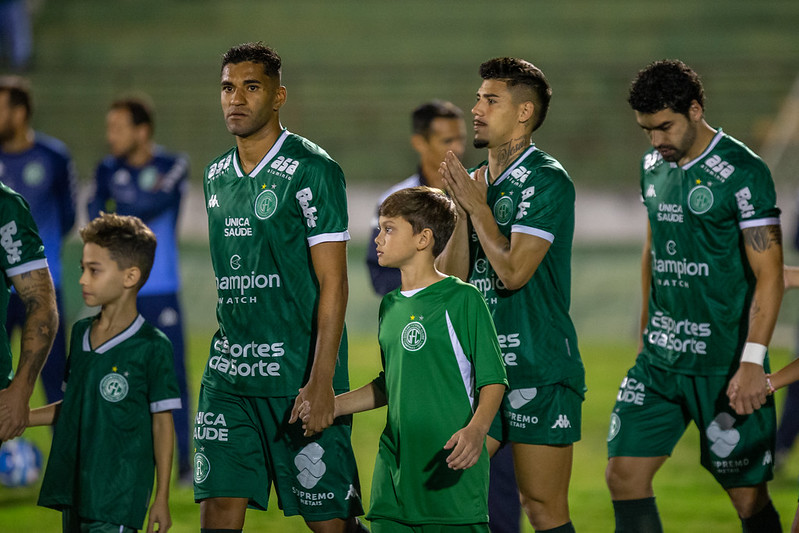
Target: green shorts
point(242, 445)
point(653, 409)
point(72, 523)
point(549, 415)
point(390, 526)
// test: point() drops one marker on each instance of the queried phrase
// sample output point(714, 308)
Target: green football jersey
point(702, 284)
point(21, 251)
point(101, 463)
point(439, 347)
point(534, 196)
point(261, 227)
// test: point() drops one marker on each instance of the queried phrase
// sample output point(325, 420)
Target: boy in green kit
point(443, 379)
point(115, 421)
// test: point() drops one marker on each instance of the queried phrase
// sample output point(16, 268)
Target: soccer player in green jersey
point(114, 426)
point(24, 266)
point(514, 244)
point(277, 223)
point(712, 280)
point(443, 379)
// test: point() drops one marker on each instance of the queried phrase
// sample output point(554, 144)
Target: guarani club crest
point(503, 210)
point(265, 203)
point(700, 199)
point(413, 335)
point(114, 386)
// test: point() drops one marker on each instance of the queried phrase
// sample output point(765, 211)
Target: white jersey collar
point(716, 138)
point(114, 341)
point(266, 159)
point(511, 168)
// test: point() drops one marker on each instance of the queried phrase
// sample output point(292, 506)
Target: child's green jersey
point(439, 347)
point(101, 464)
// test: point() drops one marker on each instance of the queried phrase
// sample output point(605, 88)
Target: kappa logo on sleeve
point(11, 246)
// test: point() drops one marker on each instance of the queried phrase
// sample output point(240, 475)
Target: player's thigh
point(230, 458)
point(542, 471)
point(315, 477)
point(650, 415)
point(391, 526)
point(737, 450)
point(630, 478)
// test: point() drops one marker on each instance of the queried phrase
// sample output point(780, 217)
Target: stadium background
point(354, 70)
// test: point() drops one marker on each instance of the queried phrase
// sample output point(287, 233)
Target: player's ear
point(419, 143)
point(131, 277)
point(424, 239)
point(280, 98)
point(695, 111)
point(526, 111)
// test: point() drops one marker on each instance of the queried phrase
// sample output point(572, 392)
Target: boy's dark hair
point(128, 240)
point(424, 115)
point(423, 207)
point(257, 53)
point(520, 74)
point(666, 84)
point(141, 112)
point(19, 92)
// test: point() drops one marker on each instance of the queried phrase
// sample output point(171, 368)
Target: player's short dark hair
point(423, 207)
point(257, 53)
point(128, 240)
point(141, 111)
point(19, 92)
point(520, 74)
point(423, 116)
point(666, 84)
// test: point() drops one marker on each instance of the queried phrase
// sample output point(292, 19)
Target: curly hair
point(128, 240)
point(666, 84)
point(257, 53)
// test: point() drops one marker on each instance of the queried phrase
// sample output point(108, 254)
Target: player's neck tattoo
point(505, 153)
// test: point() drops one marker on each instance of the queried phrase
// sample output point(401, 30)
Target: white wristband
point(753, 353)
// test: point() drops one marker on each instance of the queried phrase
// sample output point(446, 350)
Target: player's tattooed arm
point(762, 238)
point(763, 245)
point(36, 291)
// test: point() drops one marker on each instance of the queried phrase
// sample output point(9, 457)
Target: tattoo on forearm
point(761, 238)
point(41, 320)
point(508, 151)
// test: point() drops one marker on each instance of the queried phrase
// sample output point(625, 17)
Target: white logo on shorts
point(520, 397)
point(562, 422)
point(309, 463)
point(202, 467)
point(722, 436)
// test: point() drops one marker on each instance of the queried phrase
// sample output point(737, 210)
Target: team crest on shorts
point(202, 467)
point(265, 204)
point(615, 426)
point(700, 199)
point(309, 463)
point(503, 210)
point(413, 336)
point(114, 387)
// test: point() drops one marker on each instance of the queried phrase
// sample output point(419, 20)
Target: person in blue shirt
point(140, 178)
point(40, 169)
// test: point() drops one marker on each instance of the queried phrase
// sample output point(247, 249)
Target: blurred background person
point(40, 169)
point(142, 179)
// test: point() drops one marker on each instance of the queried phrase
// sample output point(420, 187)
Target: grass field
point(605, 303)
